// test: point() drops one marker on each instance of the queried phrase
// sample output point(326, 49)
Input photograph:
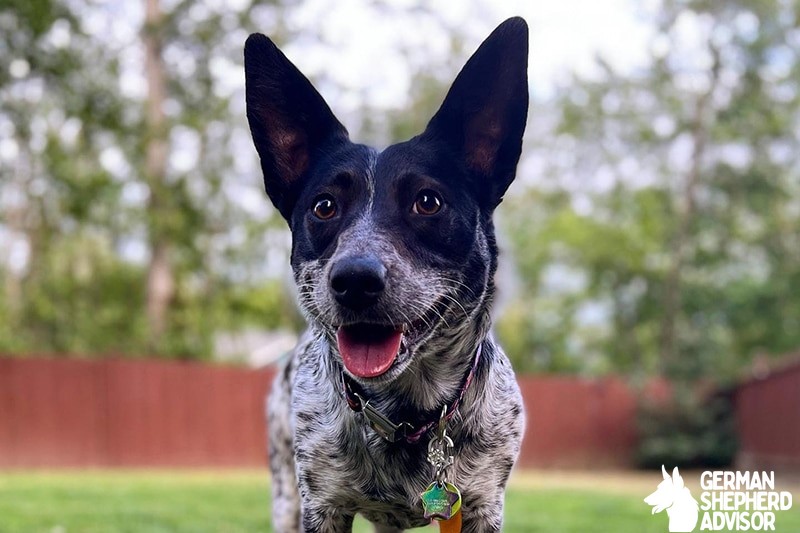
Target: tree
point(160, 277)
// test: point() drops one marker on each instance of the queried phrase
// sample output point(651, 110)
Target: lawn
point(233, 502)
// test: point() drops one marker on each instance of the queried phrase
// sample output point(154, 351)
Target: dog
point(394, 255)
point(672, 495)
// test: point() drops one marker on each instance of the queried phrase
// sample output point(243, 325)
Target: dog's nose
point(357, 282)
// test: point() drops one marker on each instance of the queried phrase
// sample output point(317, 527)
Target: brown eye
point(428, 202)
point(324, 207)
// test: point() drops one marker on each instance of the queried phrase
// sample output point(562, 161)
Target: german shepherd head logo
point(673, 496)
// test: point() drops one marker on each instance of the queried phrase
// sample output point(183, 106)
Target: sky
point(362, 39)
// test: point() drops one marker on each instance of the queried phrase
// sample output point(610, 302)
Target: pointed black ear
point(484, 113)
point(290, 122)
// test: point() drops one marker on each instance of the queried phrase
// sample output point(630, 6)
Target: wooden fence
point(59, 412)
point(768, 419)
point(130, 413)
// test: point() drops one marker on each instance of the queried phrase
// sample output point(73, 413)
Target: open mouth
point(368, 350)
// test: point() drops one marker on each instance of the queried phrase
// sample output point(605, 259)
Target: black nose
point(357, 282)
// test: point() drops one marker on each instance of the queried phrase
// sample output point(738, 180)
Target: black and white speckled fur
point(327, 463)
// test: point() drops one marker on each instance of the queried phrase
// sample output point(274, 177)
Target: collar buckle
point(381, 424)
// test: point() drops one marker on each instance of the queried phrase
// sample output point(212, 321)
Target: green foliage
point(270, 305)
point(689, 431)
point(79, 298)
point(589, 278)
point(661, 235)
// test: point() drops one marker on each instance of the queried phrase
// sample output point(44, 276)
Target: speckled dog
point(394, 257)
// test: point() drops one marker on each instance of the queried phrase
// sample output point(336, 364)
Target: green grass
point(234, 502)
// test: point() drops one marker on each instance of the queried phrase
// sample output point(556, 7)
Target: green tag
point(441, 502)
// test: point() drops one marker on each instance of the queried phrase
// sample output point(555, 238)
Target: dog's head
point(392, 249)
point(667, 492)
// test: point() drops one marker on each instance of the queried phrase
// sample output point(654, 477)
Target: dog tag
point(441, 501)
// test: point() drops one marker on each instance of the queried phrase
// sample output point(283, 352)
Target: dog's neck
point(434, 378)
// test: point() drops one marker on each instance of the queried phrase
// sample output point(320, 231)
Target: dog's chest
point(390, 484)
point(332, 439)
point(345, 464)
point(381, 482)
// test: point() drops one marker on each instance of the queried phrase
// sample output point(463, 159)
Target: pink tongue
point(367, 358)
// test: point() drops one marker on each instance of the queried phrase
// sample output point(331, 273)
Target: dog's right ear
point(290, 122)
point(677, 479)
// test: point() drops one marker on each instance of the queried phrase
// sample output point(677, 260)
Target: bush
point(689, 431)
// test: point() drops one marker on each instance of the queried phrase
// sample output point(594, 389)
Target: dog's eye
point(428, 202)
point(324, 207)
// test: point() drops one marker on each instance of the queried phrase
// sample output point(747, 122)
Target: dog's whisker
point(455, 302)
point(458, 284)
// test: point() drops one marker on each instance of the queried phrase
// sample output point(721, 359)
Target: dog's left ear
point(484, 114)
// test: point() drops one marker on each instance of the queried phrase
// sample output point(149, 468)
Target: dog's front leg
point(484, 517)
point(325, 519)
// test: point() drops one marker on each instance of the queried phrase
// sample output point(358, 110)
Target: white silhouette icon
point(673, 496)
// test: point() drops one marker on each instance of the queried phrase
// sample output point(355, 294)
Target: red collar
point(404, 430)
